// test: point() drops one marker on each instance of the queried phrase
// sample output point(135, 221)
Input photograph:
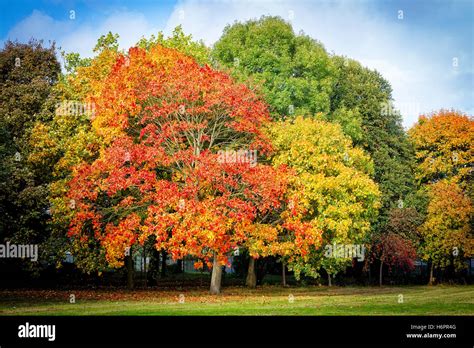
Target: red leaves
point(164, 118)
point(394, 250)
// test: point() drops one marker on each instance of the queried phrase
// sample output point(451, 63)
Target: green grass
point(266, 300)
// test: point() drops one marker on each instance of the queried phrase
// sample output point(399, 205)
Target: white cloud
point(131, 26)
point(39, 25)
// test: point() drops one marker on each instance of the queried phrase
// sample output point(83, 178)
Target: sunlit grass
point(267, 300)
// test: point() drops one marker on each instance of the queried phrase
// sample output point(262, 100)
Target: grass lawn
point(265, 300)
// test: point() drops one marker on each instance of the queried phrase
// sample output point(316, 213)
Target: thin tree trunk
point(216, 277)
point(144, 266)
point(129, 263)
point(370, 275)
point(154, 267)
point(163, 263)
point(329, 279)
point(283, 273)
point(380, 273)
point(251, 280)
point(431, 281)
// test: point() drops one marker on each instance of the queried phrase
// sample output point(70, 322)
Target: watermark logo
point(455, 157)
point(240, 156)
point(37, 331)
point(29, 251)
point(403, 108)
point(291, 109)
point(291, 15)
point(455, 62)
point(75, 108)
point(345, 251)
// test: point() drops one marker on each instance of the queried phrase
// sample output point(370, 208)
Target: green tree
point(27, 73)
point(181, 42)
point(294, 72)
point(368, 96)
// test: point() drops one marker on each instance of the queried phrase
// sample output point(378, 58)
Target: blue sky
point(425, 48)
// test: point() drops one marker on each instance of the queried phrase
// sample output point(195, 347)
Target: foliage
point(153, 147)
point(374, 124)
point(294, 72)
point(394, 250)
point(298, 77)
point(166, 118)
point(405, 223)
point(27, 73)
point(181, 42)
point(446, 232)
point(444, 147)
point(67, 140)
point(340, 197)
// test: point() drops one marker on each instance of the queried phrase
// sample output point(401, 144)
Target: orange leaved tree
point(181, 167)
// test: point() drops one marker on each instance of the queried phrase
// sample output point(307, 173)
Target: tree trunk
point(283, 273)
point(431, 281)
point(144, 266)
point(164, 255)
point(380, 273)
point(129, 263)
point(329, 279)
point(370, 275)
point(216, 277)
point(180, 266)
point(154, 267)
point(251, 280)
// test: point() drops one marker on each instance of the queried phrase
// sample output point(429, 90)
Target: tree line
point(123, 151)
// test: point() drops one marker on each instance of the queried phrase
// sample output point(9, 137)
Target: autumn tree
point(285, 232)
point(393, 250)
point(447, 231)
point(397, 244)
point(65, 138)
point(336, 186)
point(444, 147)
point(444, 156)
point(166, 118)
